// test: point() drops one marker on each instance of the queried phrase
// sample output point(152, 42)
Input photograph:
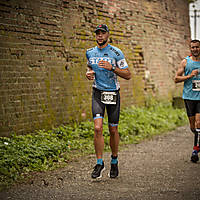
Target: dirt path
point(157, 169)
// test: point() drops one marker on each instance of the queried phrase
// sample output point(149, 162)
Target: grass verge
point(46, 150)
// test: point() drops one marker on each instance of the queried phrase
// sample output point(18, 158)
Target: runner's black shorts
point(192, 107)
point(98, 108)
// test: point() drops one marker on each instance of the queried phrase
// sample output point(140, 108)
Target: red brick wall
point(43, 64)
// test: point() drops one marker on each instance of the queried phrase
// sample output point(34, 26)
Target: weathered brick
point(43, 64)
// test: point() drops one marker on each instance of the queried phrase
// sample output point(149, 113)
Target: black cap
point(102, 27)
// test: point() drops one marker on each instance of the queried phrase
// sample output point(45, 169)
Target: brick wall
point(43, 64)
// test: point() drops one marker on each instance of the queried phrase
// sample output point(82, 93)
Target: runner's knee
point(113, 130)
point(98, 129)
point(198, 124)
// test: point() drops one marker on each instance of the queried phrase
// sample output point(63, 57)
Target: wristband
point(113, 68)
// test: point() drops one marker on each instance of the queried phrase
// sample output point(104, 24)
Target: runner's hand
point(105, 64)
point(194, 72)
point(90, 75)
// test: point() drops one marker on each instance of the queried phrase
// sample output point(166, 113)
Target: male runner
point(104, 63)
point(190, 67)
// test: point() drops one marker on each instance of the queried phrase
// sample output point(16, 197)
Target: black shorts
point(192, 107)
point(98, 108)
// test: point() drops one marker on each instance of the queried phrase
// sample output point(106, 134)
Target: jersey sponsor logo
point(115, 51)
point(122, 63)
point(95, 60)
point(90, 49)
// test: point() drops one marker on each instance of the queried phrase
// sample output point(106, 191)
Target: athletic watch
point(113, 68)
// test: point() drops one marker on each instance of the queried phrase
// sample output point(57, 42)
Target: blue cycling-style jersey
point(104, 79)
point(191, 90)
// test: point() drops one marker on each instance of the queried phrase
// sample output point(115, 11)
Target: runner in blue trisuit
point(189, 72)
point(105, 62)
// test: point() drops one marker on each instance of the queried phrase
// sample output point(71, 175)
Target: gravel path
point(156, 169)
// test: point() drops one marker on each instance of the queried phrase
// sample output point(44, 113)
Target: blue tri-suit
point(105, 80)
point(188, 93)
point(191, 95)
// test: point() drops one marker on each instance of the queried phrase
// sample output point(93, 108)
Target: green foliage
point(45, 150)
point(144, 123)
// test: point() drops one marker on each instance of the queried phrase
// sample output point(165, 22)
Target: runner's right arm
point(90, 73)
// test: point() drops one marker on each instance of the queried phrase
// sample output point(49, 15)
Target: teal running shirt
point(104, 79)
point(191, 90)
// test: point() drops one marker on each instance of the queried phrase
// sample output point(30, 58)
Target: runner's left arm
point(179, 74)
point(122, 72)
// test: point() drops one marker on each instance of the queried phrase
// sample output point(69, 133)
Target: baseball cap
point(102, 27)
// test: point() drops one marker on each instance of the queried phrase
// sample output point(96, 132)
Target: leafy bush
point(143, 123)
point(44, 149)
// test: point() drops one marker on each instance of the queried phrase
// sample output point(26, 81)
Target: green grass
point(46, 150)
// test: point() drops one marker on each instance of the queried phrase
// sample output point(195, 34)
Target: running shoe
point(194, 157)
point(97, 172)
point(113, 171)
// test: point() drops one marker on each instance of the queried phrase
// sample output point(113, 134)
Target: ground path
point(156, 169)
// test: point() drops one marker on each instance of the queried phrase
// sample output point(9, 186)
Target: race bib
point(196, 85)
point(109, 97)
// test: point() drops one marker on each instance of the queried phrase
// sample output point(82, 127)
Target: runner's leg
point(98, 109)
point(114, 139)
point(191, 108)
point(113, 112)
point(98, 137)
point(193, 129)
point(197, 120)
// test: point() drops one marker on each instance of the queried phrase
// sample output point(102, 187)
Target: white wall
point(197, 7)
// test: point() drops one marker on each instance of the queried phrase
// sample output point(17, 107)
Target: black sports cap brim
point(102, 29)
